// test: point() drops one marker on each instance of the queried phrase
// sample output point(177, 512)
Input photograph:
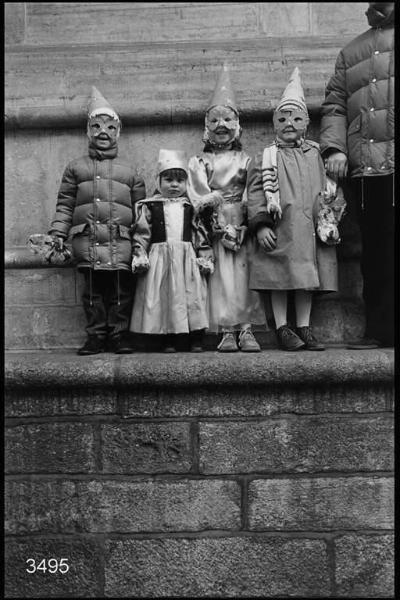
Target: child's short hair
point(174, 174)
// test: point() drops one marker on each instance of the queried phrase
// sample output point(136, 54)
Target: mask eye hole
point(282, 119)
point(95, 126)
point(298, 119)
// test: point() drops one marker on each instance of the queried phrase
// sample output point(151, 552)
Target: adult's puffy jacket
point(358, 110)
point(95, 208)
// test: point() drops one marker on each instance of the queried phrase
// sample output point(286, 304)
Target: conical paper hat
point(293, 94)
point(223, 93)
point(98, 105)
point(171, 159)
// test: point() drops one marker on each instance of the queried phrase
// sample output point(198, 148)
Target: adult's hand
point(336, 165)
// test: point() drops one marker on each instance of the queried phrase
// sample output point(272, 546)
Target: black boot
point(93, 345)
point(120, 343)
point(288, 340)
point(305, 334)
point(196, 340)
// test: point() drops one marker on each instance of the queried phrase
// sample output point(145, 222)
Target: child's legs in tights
point(303, 302)
point(279, 307)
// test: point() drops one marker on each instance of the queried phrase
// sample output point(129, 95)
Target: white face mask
point(103, 131)
point(221, 125)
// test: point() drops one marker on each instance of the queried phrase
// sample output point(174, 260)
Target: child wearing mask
point(217, 182)
point(95, 207)
point(171, 292)
point(287, 189)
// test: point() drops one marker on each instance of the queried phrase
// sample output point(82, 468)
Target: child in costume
point(217, 181)
point(95, 207)
point(171, 294)
point(290, 199)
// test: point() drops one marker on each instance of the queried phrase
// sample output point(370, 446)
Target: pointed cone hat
point(223, 93)
point(98, 105)
point(171, 159)
point(293, 94)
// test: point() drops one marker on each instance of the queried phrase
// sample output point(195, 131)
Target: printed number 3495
point(52, 565)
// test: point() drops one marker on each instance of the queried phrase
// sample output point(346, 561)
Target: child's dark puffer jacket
point(95, 208)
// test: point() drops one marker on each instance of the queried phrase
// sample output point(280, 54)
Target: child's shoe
point(196, 338)
point(228, 343)
point(120, 343)
point(93, 345)
point(305, 334)
point(169, 345)
point(247, 341)
point(288, 340)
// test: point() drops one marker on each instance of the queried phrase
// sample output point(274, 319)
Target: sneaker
point(363, 344)
point(288, 340)
point(228, 343)
point(93, 345)
point(306, 335)
point(120, 344)
point(247, 341)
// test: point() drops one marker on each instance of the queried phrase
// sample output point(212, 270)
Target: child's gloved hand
point(140, 261)
point(206, 265)
point(266, 238)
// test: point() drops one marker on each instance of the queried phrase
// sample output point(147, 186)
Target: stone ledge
point(335, 366)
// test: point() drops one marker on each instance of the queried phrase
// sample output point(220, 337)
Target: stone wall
point(201, 476)
point(157, 64)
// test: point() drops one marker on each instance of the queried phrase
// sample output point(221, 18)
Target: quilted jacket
point(95, 208)
point(358, 110)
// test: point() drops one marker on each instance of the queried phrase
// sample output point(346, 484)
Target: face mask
point(297, 119)
point(102, 128)
point(222, 120)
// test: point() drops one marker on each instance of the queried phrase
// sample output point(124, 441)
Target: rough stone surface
point(81, 581)
point(322, 503)
point(364, 566)
point(70, 506)
point(223, 567)
point(50, 448)
point(309, 444)
point(60, 402)
point(184, 370)
point(254, 401)
point(146, 448)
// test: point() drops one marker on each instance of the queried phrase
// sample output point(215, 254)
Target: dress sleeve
point(333, 134)
point(198, 189)
point(141, 237)
point(257, 213)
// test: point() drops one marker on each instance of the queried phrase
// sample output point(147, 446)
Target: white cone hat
point(223, 94)
point(293, 94)
point(98, 105)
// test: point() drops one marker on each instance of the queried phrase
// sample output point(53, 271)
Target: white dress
point(171, 296)
point(230, 301)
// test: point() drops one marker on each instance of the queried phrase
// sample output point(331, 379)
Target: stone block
point(256, 401)
point(83, 580)
point(321, 503)
point(50, 448)
point(60, 402)
point(44, 327)
point(40, 286)
point(284, 18)
point(345, 18)
point(217, 567)
point(306, 444)
point(146, 448)
point(73, 506)
point(364, 566)
point(14, 22)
